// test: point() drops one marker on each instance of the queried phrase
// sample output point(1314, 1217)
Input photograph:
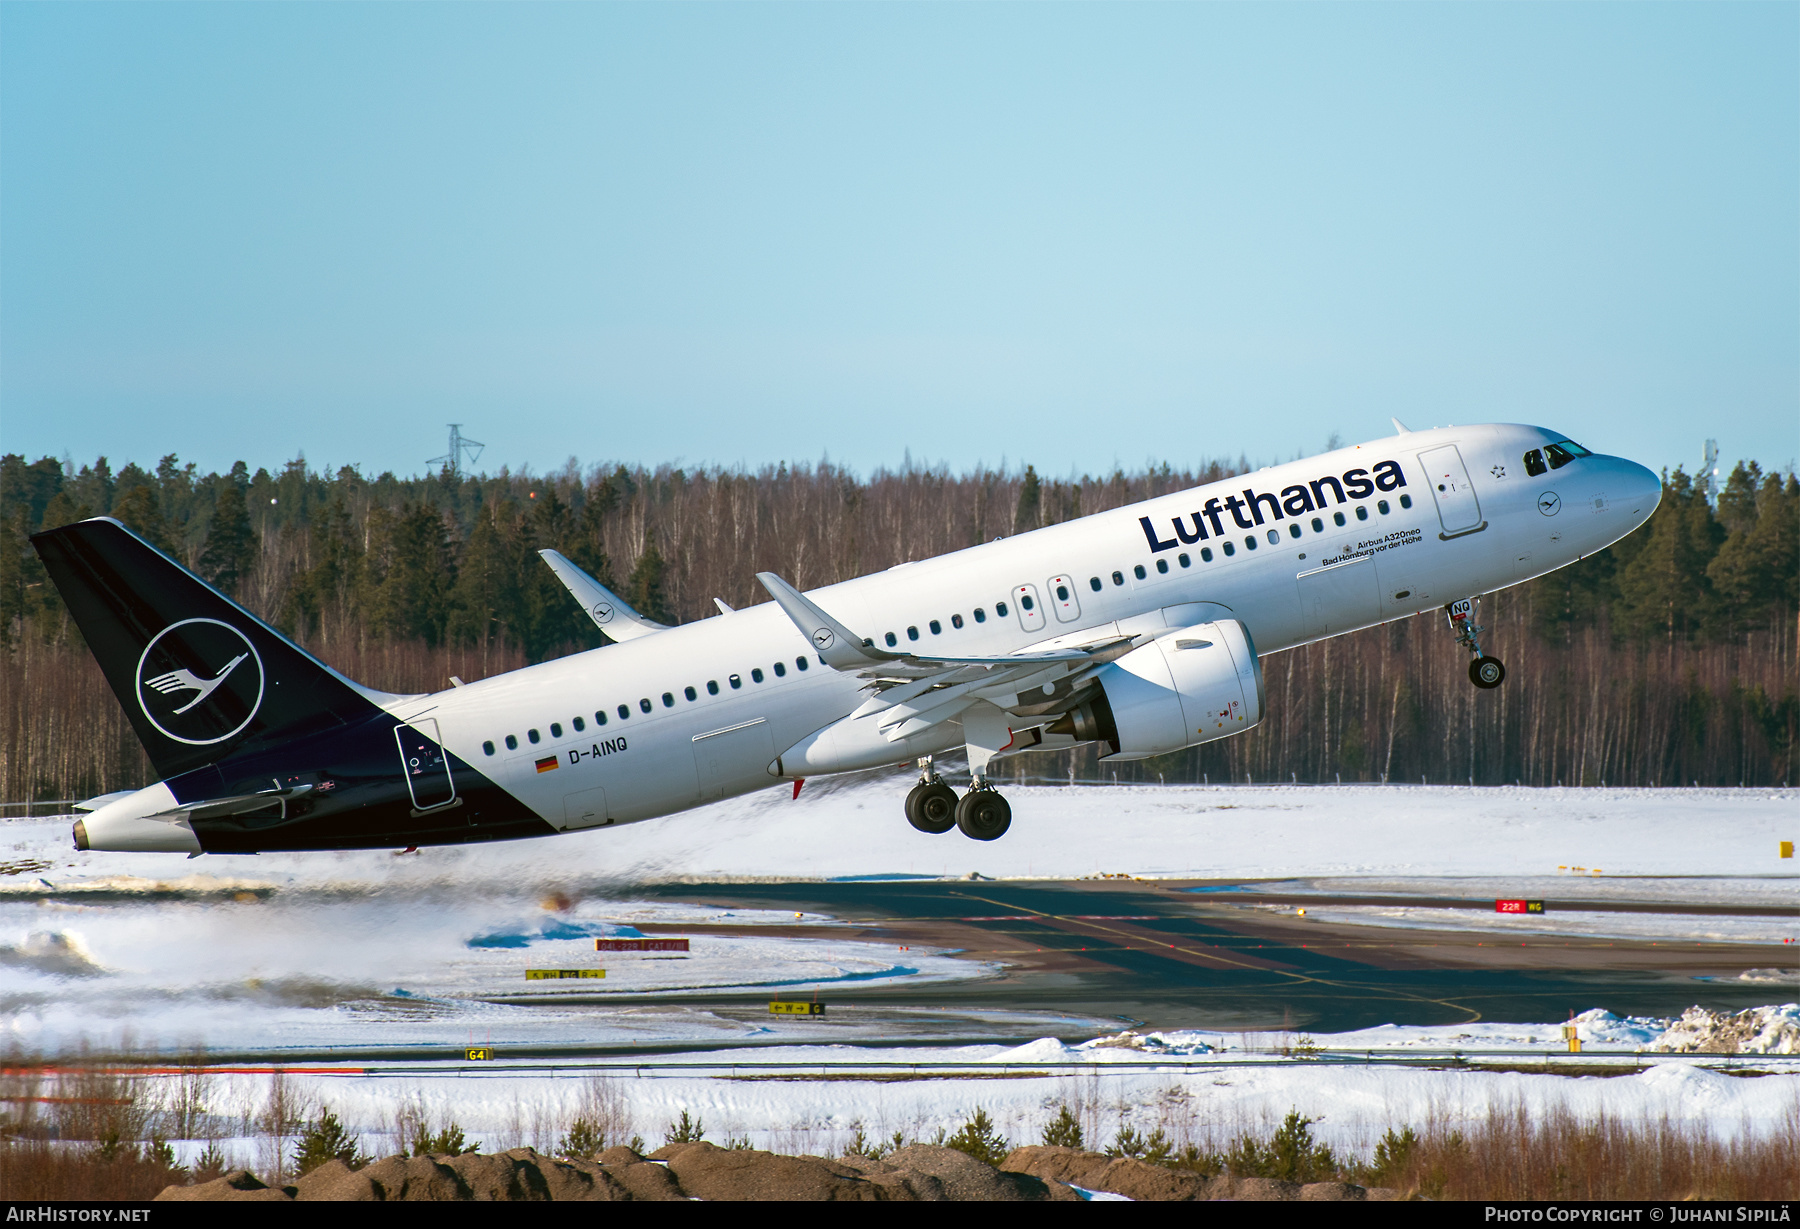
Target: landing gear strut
point(1484, 671)
point(931, 806)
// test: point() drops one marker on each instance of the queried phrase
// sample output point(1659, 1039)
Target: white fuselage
point(1490, 526)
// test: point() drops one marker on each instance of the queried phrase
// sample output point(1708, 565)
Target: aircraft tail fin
point(199, 676)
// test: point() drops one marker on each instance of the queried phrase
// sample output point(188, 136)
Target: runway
point(1188, 955)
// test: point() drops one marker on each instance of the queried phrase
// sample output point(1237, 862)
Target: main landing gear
point(932, 806)
point(1484, 671)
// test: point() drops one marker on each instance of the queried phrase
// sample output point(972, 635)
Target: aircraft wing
point(603, 606)
point(912, 691)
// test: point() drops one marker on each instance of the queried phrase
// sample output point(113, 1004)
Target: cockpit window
point(1563, 452)
point(1534, 463)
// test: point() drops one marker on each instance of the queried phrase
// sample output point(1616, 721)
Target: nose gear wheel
point(1484, 671)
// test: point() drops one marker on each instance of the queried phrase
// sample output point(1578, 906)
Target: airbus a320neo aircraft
point(1137, 629)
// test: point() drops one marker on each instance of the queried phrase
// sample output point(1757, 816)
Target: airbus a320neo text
point(1139, 630)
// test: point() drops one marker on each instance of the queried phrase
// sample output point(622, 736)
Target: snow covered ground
point(370, 948)
point(1255, 832)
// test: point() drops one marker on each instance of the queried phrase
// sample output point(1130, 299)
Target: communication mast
point(459, 444)
point(1709, 473)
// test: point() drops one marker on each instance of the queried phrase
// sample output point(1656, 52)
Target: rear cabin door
point(426, 766)
point(1458, 509)
point(1028, 607)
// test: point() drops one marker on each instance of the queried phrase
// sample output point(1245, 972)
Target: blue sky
point(1067, 234)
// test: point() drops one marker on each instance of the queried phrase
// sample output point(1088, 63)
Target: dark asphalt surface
point(1155, 953)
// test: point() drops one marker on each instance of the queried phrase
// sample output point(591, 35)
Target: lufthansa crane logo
point(200, 681)
point(822, 638)
point(1549, 503)
point(603, 612)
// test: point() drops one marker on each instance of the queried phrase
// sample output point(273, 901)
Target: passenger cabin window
point(644, 705)
point(532, 735)
point(955, 621)
point(556, 729)
point(1062, 593)
point(1362, 512)
point(1534, 463)
point(1162, 565)
point(1183, 560)
point(1293, 530)
point(1250, 542)
point(781, 669)
point(512, 742)
point(668, 698)
point(999, 609)
point(1337, 518)
point(624, 711)
point(1274, 537)
point(912, 633)
point(690, 693)
point(1318, 525)
point(800, 662)
point(1094, 583)
point(1381, 506)
point(1406, 501)
point(1025, 601)
point(737, 682)
point(1206, 554)
point(891, 639)
point(600, 716)
point(756, 675)
point(712, 687)
point(580, 725)
point(1118, 578)
point(487, 748)
point(980, 615)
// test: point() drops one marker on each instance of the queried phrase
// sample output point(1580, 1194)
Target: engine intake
point(1189, 687)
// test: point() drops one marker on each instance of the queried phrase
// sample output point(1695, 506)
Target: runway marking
point(1301, 978)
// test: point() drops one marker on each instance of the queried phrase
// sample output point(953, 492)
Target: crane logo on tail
point(200, 681)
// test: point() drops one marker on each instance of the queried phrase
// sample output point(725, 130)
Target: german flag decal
point(547, 763)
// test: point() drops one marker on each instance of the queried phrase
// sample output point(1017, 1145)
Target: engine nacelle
point(1189, 687)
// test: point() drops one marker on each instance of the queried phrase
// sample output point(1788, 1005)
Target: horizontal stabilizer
point(610, 615)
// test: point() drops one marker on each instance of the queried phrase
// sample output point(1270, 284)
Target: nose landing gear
point(1484, 671)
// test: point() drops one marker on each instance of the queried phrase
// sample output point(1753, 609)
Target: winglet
point(1400, 428)
point(603, 606)
point(836, 645)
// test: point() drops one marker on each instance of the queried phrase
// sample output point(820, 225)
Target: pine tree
point(978, 1138)
point(231, 545)
point(326, 1140)
point(138, 509)
point(647, 595)
point(1064, 1132)
point(1030, 496)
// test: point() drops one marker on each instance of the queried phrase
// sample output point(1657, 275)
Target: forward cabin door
point(1458, 509)
point(426, 766)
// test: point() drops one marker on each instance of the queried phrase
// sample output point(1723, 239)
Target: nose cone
point(1639, 490)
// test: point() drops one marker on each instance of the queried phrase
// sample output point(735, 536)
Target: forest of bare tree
point(1666, 659)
